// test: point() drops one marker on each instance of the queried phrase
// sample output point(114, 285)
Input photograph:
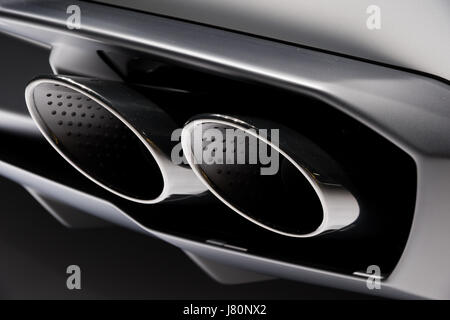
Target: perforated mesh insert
point(97, 142)
point(284, 201)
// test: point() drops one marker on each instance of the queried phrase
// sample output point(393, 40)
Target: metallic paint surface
point(410, 110)
point(414, 33)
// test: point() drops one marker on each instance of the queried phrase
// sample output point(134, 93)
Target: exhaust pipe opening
point(303, 197)
point(109, 133)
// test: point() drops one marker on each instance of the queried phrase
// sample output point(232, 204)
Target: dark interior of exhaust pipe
point(284, 201)
point(366, 157)
point(97, 142)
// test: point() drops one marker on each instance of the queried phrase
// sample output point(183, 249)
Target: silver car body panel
point(410, 110)
point(413, 33)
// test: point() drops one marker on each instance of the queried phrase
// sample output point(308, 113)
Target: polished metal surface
point(112, 135)
point(106, 210)
point(17, 123)
point(412, 34)
point(303, 198)
point(346, 84)
point(410, 110)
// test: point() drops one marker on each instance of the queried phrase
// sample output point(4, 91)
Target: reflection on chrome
point(304, 198)
point(112, 135)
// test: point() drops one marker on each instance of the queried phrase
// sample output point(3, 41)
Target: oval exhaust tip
point(283, 183)
point(109, 133)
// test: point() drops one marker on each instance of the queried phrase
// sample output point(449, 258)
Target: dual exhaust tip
point(122, 141)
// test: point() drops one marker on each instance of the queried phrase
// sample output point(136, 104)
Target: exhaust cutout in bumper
point(112, 135)
point(305, 197)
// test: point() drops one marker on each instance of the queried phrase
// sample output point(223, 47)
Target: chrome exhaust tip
point(112, 135)
point(303, 198)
